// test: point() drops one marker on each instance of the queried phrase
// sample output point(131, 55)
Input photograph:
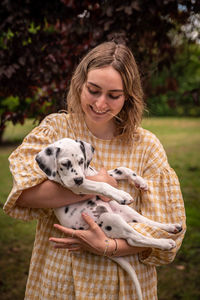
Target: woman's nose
point(101, 102)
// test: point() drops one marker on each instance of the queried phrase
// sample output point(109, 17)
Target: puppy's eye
point(67, 164)
point(81, 161)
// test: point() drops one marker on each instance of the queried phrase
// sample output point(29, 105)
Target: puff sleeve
point(25, 170)
point(162, 202)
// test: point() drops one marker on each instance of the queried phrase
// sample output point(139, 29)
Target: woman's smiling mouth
point(98, 112)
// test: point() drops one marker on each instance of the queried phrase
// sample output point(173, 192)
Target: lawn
point(179, 280)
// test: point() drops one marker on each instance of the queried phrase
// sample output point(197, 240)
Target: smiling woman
point(108, 74)
point(102, 99)
point(105, 106)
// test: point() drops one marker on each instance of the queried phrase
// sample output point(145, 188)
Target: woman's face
point(102, 96)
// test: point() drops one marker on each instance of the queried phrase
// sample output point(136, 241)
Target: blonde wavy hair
point(122, 60)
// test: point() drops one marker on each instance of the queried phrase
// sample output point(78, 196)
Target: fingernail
point(84, 214)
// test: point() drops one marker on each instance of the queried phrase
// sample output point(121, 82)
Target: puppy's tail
point(130, 270)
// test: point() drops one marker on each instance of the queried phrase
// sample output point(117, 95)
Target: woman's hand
point(103, 176)
point(92, 240)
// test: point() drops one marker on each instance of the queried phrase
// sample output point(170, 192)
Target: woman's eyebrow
point(114, 90)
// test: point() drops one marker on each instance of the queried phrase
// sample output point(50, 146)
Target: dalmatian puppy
point(67, 162)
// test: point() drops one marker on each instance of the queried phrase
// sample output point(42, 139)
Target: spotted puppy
point(68, 162)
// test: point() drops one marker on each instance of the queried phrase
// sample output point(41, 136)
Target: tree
point(42, 41)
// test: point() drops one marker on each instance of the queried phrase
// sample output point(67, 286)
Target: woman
point(105, 105)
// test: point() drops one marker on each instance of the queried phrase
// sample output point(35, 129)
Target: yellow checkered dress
point(56, 274)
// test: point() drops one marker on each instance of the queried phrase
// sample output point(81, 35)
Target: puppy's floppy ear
point(47, 161)
point(88, 151)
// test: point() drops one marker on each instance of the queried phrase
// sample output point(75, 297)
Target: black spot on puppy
point(47, 171)
point(92, 149)
point(68, 164)
point(57, 152)
point(108, 228)
point(100, 224)
point(43, 167)
point(98, 198)
point(134, 221)
point(91, 203)
point(82, 148)
point(134, 174)
point(118, 172)
point(88, 162)
point(40, 164)
point(66, 209)
point(81, 228)
point(81, 161)
point(49, 151)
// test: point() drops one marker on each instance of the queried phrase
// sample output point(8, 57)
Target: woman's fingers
point(63, 240)
point(91, 240)
point(89, 221)
point(69, 243)
point(68, 231)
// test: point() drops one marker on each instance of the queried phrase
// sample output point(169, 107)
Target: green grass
point(15, 133)
point(16, 237)
point(179, 280)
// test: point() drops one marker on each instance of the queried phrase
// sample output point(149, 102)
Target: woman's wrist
point(109, 247)
point(119, 247)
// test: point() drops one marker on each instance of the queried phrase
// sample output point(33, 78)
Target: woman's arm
point(48, 194)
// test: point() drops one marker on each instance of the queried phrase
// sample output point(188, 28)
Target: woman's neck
point(102, 131)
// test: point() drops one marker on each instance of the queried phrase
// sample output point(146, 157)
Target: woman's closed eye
point(115, 97)
point(96, 92)
point(91, 91)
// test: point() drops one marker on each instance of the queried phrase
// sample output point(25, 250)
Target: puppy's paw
point(123, 197)
point(167, 244)
point(139, 182)
point(174, 228)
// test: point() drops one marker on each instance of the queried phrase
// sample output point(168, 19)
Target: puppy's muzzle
point(78, 180)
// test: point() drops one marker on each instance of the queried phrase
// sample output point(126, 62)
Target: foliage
point(42, 41)
point(176, 91)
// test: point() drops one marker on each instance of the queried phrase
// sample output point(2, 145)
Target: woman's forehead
point(106, 76)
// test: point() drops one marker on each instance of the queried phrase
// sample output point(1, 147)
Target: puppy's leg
point(126, 173)
point(115, 227)
point(101, 188)
point(130, 216)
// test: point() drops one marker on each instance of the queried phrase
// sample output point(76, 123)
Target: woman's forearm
point(48, 194)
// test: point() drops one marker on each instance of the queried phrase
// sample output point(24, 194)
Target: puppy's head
point(66, 161)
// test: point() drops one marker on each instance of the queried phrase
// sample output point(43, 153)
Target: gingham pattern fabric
point(56, 274)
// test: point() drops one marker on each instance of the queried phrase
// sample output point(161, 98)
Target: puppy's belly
point(70, 216)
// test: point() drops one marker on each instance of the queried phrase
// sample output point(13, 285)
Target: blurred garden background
point(41, 42)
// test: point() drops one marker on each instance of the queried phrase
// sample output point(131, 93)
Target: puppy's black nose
point(78, 180)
